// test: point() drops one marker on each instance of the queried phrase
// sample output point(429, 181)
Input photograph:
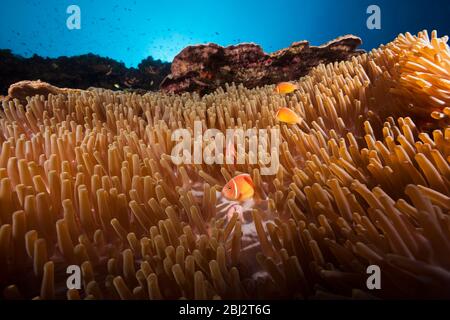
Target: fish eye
point(229, 187)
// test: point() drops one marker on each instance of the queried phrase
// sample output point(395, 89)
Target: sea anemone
point(418, 71)
point(86, 179)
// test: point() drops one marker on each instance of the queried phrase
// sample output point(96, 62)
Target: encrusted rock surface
point(26, 88)
point(203, 68)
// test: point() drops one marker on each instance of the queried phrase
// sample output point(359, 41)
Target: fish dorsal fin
point(249, 180)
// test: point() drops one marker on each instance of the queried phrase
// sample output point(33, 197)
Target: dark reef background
point(81, 72)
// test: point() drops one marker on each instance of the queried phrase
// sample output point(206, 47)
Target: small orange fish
point(288, 116)
point(285, 87)
point(239, 188)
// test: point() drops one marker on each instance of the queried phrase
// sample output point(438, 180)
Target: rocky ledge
point(204, 68)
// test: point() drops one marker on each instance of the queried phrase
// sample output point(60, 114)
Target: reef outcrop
point(204, 68)
point(26, 88)
point(200, 68)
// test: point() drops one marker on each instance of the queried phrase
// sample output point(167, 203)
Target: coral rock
point(203, 68)
point(22, 89)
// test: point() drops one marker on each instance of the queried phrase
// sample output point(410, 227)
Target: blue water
point(129, 31)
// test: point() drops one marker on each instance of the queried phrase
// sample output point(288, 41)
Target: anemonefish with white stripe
point(239, 188)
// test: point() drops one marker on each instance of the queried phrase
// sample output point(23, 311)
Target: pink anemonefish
point(288, 116)
point(239, 188)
